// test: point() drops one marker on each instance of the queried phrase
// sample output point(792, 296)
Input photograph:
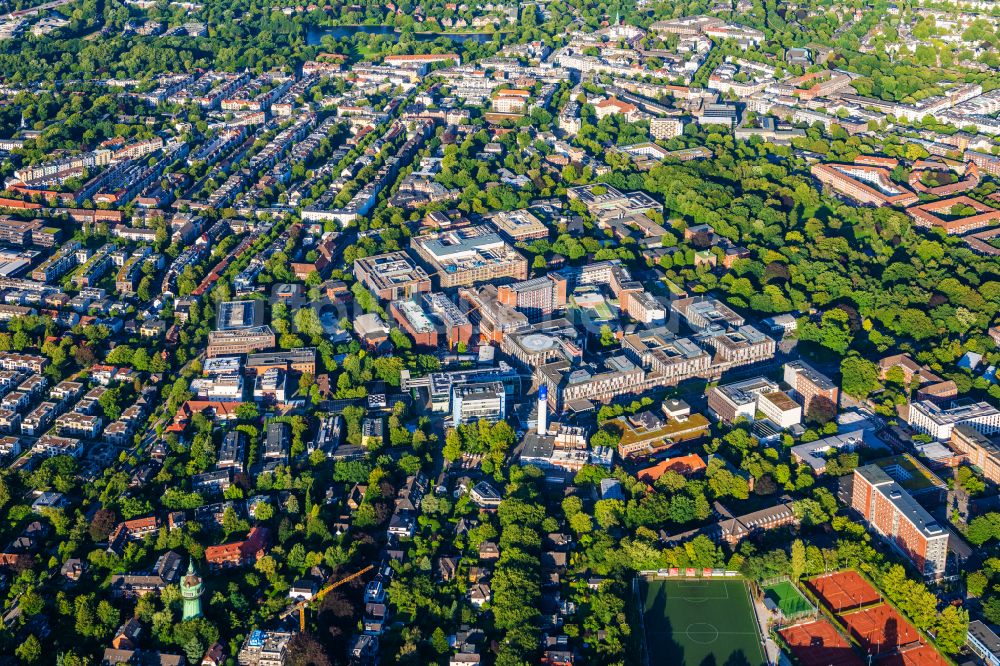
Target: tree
point(581, 523)
point(860, 377)
point(952, 629)
point(439, 641)
point(452, 450)
point(232, 523)
point(30, 651)
point(304, 650)
point(975, 583)
point(798, 564)
point(608, 512)
point(983, 528)
point(991, 609)
point(263, 512)
point(607, 336)
point(101, 524)
point(833, 331)
point(247, 411)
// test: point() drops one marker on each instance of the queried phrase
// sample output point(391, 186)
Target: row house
point(10, 421)
point(90, 402)
point(66, 392)
point(39, 419)
point(118, 432)
point(49, 445)
point(15, 401)
point(79, 425)
point(34, 386)
point(14, 361)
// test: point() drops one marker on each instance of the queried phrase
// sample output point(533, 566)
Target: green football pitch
point(787, 598)
point(700, 622)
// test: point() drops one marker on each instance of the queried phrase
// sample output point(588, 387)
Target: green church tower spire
point(191, 589)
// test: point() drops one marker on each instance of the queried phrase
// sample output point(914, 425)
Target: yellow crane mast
point(301, 606)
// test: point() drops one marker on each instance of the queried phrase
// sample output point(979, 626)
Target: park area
point(788, 599)
point(696, 621)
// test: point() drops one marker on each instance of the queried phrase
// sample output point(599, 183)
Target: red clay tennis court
point(921, 655)
point(818, 644)
point(843, 590)
point(880, 629)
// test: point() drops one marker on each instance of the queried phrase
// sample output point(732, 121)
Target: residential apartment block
point(894, 514)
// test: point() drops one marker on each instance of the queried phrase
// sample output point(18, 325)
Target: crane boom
point(301, 606)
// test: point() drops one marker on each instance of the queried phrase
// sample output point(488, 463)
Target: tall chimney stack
point(543, 407)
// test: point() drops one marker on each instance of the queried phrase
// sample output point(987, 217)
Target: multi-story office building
point(392, 276)
point(455, 324)
point(510, 101)
point(665, 356)
point(984, 643)
point(738, 347)
point(235, 315)
point(473, 402)
point(704, 313)
point(300, 359)
point(543, 343)
point(412, 319)
point(780, 409)
point(494, 319)
point(864, 183)
point(440, 385)
point(666, 128)
point(463, 257)
point(18, 232)
point(568, 383)
point(240, 341)
point(537, 298)
point(732, 401)
point(938, 421)
point(817, 392)
point(228, 386)
point(894, 514)
point(519, 225)
point(643, 307)
point(979, 450)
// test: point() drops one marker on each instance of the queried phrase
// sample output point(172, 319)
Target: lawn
point(788, 598)
point(700, 621)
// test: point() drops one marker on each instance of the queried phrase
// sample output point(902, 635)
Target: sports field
point(844, 590)
point(817, 643)
point(788, 599)
point(700, 621)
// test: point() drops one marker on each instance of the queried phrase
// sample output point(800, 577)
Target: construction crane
point(301, 606)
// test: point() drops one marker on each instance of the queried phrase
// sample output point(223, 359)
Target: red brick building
point(816, 391)
point(894, 514)
point(238, 553)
